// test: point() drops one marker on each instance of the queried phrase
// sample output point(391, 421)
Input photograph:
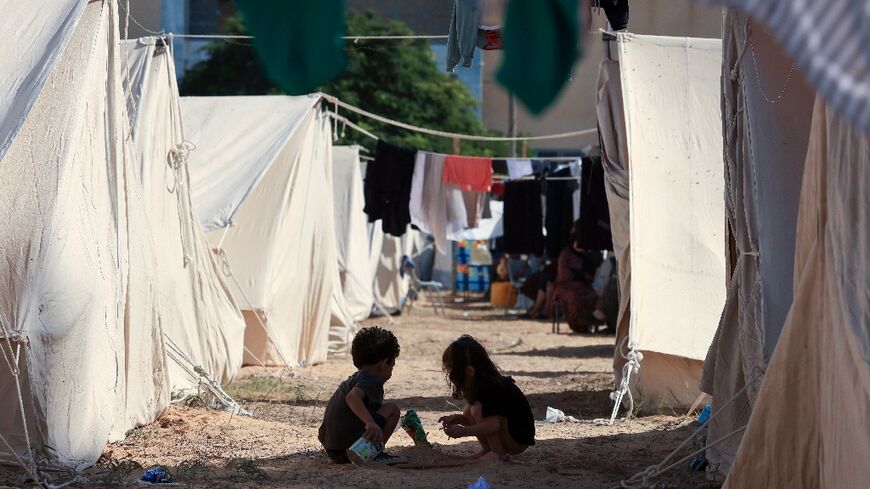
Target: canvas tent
point(204, 328)
point(351, 232)
point(261, 182)
point(80, 321)
point(659, 109)
point(763, 181)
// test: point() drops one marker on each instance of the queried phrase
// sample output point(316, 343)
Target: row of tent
point(146, 254)
point(783, 343)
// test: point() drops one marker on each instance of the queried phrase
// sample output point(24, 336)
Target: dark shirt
point(506, 399)
point(341, 427)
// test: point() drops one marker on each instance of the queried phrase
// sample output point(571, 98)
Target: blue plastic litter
point(480, 484)
point(705, 413)
point(157, 475)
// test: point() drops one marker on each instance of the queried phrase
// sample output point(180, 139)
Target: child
point(357, 408)
point(497, 412)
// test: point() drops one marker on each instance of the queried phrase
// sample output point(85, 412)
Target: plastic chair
point(430, 287)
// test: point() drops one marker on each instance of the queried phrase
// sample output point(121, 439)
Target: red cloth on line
point(468, 173)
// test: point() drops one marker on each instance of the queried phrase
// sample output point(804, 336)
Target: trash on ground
point(558, 416)
point(480, 484)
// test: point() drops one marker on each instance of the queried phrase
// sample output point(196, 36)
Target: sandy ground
point(278, 447)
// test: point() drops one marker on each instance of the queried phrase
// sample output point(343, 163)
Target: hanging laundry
point(519, 168)
point(541, 45)
point(499, 167)
point(298, 41)
point(436, 208)
point(594, 224)
point(474, 206)
point(523, 218)
point(560, 212)
point(468, 173)
point(387, 187)
point(616, 12)
point(474, 24)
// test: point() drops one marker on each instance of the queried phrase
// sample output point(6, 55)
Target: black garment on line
point(616, 12)
point(523, 218)
point(387, 187)
point(560, 212)
point(593, 227)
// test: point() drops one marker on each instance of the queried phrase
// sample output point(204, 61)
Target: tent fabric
point(827, 41)
point(79, 312)
point(664, 380)
point(614, 160)
point(254, 131)
point(351, 232)
point(201, 317)
point(281, 248)
point(391, 286)
point(671, 97)
point(42, 35)
point(764, 151)
point(810, 423)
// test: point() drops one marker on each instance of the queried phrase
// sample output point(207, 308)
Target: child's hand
point(374, 433)
point(456, 431)
point(451, 420)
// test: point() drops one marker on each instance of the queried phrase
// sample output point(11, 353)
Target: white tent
point(669, 101)
point(262, 184)
point(351, 232)
point(80, 326)
point(203, 326)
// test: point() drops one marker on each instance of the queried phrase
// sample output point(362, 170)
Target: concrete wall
point(424, 17)
point(575, 108)
point(146, 12)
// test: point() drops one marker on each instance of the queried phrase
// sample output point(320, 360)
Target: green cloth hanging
point(298, 41)
point(541, 45)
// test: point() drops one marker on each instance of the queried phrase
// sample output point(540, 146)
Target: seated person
point(572, 289)
point(537, 286)
point(357, 407)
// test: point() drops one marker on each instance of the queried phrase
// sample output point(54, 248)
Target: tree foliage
point(397, 79)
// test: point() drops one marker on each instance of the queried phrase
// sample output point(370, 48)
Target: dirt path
point(279, 448)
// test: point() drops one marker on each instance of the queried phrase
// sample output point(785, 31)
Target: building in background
point(575, 109)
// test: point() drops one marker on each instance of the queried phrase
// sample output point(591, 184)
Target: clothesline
point(349, 38)
point(355, 127)
point(450, 135)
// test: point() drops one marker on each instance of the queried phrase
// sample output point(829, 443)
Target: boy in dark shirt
point(357, 408)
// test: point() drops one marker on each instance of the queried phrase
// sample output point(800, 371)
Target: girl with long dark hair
point(496, 412)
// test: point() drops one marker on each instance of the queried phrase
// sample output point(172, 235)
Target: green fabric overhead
point(298, 41)
point(541, 45)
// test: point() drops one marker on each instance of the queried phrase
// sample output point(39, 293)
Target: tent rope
point(198, 373)
point(632, 366)
point(644, 477)
point(12, 360)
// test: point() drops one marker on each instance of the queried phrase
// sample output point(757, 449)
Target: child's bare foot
point(478, 455)
point(494, 457)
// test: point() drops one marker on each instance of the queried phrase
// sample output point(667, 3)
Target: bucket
point(503, 294)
